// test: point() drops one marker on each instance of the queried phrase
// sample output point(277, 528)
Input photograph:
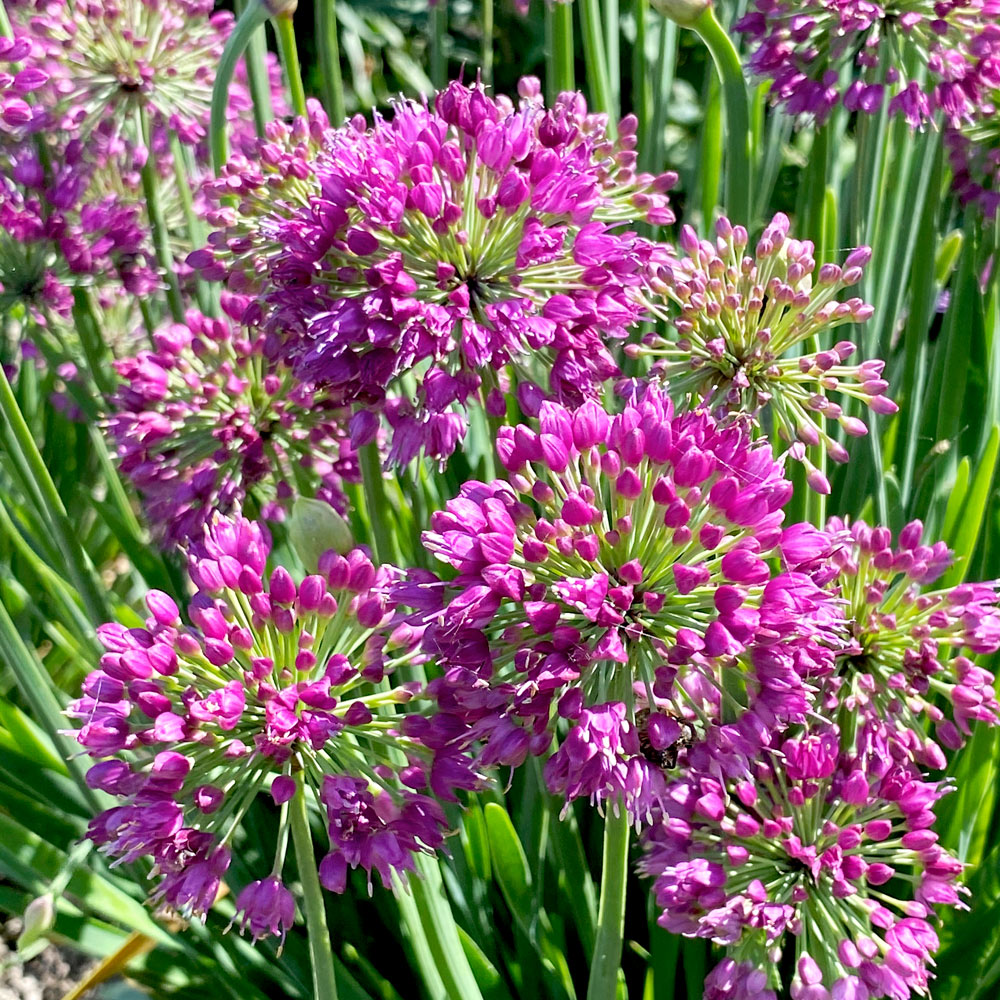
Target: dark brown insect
point(666, 758)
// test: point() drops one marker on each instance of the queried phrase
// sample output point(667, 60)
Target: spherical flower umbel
point(206, 422)
point(621, 570)
point(58, 234)
point(127, 56)
point(928, 56)
point(281, 686)
point(736, 318)
point(900, 655)
point(821, 852)
point(407, 263)
point(974, 152)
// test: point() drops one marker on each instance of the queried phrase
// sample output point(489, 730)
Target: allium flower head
point(120, 56)
point(56, 235)
point(206, 422)
point(281, 686)
point(927, 55)
point(405, 263)
point(623, 567)
point(820, 852)
point(902, 653)
point(974, 152)
point(738, 315)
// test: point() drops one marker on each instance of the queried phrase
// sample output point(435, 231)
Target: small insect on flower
point(652, 746)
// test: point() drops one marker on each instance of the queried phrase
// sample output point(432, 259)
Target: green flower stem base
point(320, 950)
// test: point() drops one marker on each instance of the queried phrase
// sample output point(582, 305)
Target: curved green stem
point(255, 58)
point(285, 31)
point(604, 969)
point(250, 20)
point(331, 81)
point(734, 95)
point(21, 447)
point(320, 950)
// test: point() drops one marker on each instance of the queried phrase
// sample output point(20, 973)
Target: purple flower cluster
point(16, 84)
point(819, 54)
point(805, 849)
point(736, 318)
point(901, 654)
point(56, 233)
point(974, 153)
point(409, 264)
point(157, 56)
point(620, 581)
point(206, 422)
point(275, 686)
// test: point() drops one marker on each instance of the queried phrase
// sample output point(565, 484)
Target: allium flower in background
point(619, 581)
point(56, 235)
point(207, 422)
point(127, 56)
point(820, 852)
point(410, 263)
point(736, 318)
point(276, 686)
point(974, 152)
point(902, 655)
point(927, 56)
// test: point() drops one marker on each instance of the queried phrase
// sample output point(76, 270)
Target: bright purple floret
point(447, 243)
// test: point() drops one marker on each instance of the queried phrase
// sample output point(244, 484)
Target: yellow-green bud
point(314, 528)
point(39, 916)
point(684, 12)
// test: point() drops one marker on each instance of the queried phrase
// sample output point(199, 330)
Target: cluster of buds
point(737, 318)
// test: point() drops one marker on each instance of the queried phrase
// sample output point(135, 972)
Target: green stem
point(597, 62)
point(604, 969)
point(320, 950)
point(486, 64)
point(376, 503)
point(663, 81)
point(439, 32)
point(642, 91)
point(249, 21)
point(331, 81)
point(50, 504)
point(285, 32)
point(612, 53)
point(559, 49)
point(734, 95)
point(197, 234)
point(255, 58)
point(157, 222)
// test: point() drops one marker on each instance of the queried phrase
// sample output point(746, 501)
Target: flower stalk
point(734, 95)
point(320, 950)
